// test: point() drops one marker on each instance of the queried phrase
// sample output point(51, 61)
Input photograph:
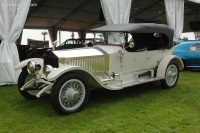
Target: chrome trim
point(95, 64)
point(28, 84)
point(106, 80)
point(47, 69)
point(43, 90)
point(193, 66)
point(33, 67)
point(73, 53)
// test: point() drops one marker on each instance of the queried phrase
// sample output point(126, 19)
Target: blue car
point(189, 52)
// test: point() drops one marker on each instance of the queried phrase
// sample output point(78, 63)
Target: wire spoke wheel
point(69, 94)
point(72, 94)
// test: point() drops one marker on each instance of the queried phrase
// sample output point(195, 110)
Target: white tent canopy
point(174, 15)
point(116, 12)
point(13, 14)
point(83, 15)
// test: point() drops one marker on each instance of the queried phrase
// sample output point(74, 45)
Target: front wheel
point(32, 90)
point(171, 75)
point(69, 94)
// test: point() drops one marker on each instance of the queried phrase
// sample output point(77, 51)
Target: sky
point(36, 34)
point(190, 35)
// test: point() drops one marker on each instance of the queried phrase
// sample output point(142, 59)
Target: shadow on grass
point(195, 70)
point(42, 107)
point(101, 96)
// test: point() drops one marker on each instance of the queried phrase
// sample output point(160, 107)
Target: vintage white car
point(69, 75)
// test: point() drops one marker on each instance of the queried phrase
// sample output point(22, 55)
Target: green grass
point(140, 109)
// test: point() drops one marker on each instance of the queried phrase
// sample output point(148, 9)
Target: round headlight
point(33, 67)
point(47, 69)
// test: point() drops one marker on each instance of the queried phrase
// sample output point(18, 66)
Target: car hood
point(87, 51)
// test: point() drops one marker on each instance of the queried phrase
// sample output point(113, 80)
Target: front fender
point(24, 62)
point(91, 78)
point(164, 63)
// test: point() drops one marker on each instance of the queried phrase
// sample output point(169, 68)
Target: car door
point(134, 58)
point(156, 49)
point(155, 56)
point(196, 51)
point(134, 62)
point(198, 54)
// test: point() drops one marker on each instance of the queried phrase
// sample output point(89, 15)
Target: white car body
point(112, 67)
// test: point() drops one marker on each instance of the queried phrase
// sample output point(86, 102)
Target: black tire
point(69, 94)
point(28, 93)
point(171, 76)
point(21, 81)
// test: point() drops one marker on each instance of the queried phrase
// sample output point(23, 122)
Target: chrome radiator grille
point(95, 64)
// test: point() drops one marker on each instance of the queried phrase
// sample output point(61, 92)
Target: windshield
point(73, 41)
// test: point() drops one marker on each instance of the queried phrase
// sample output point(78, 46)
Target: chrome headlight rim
point(131, 44)
point(47, 69)
point(33, 67)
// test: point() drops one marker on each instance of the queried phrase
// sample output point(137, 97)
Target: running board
point(118, 86)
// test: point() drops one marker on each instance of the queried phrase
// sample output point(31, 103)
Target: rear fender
point(164, 63)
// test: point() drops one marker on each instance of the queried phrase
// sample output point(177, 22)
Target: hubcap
point(72, 94)
point(171, 75)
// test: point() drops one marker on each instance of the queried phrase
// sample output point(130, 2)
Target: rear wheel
point(171, 75)
point(69, 94)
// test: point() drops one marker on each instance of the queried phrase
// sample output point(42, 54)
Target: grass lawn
point(144, 108)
